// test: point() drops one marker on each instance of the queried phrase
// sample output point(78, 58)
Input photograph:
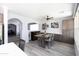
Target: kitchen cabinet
point(68, 31)
point(1, 29)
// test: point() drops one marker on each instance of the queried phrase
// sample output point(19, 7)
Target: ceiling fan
point(48, 18)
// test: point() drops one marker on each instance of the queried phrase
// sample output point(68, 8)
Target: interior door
point(68, 31)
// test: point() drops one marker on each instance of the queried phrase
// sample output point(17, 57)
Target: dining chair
point(21, 44)
point(49, 40)
point(41, 41)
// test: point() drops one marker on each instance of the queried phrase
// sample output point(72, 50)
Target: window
point(33, 27)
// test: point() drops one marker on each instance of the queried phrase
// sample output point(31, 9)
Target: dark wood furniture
point(41, 41)
point(58, 37)
point(68, 31)
point(45, 40)
point(49, 40)
point(67, 35)
point(33, 37)
point(21, 44)
point(0, 42)
point(1, 29)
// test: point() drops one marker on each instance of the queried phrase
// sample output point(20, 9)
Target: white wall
point(25, 21)
point(76, 32)
point(52, 30)
point(55, 30)
point(5, 17)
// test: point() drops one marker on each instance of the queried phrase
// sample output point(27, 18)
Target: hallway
point(14, 39)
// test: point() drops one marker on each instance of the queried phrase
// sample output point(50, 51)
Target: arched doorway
point(14, 30)
point(11, 29)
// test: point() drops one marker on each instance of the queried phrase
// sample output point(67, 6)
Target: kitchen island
point(11, 49)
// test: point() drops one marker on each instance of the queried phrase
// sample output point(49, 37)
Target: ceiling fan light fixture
point(48, 18)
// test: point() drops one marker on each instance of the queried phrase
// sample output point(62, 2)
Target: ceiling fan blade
point(51, 17)
point(48, 18)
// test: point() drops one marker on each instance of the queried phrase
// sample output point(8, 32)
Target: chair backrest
point(22, 44)
point(48, 37)
point(51, 36)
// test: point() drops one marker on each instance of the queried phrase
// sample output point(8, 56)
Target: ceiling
point(42, 9)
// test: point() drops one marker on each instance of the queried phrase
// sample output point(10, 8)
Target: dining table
point(41, 39)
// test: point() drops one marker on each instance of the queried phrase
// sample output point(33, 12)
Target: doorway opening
point(11, 29)
point(14, 30)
